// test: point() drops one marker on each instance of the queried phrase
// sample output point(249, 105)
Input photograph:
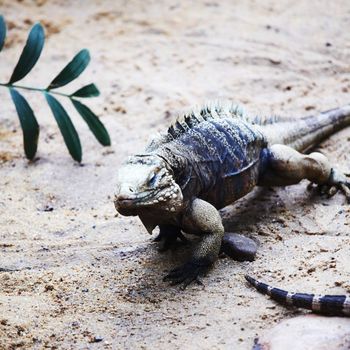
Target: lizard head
point(146, 181)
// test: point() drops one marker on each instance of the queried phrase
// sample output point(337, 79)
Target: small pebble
point(239, 247)
point(49, 287)
point(95, 339)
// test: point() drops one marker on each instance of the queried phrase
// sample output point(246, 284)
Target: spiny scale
point(331, 305)
point(265, 120)
point(211, 111)
point(216, 111)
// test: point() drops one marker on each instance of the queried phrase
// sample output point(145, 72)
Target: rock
point(75, 324)
point(239, 247)
point(95, 339)
point(309, 332)
point(49, 287)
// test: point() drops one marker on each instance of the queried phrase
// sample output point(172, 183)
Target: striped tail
point(330, 305)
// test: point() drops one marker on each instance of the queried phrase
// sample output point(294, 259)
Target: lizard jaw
point(168, 198)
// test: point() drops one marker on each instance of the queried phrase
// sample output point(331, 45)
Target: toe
point(346, 190)
point(186, 274)
point(187, 282)
point(332, 191)
point(173, 275)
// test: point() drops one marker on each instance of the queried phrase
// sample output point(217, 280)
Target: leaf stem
point(34, 89)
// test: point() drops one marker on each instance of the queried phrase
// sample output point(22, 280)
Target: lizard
point(209, 158)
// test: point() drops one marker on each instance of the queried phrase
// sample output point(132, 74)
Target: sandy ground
point(83, 272)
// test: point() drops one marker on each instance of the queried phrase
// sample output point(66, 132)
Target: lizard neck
point(176, 162)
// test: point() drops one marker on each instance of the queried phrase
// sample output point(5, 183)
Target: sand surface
point(83, 272)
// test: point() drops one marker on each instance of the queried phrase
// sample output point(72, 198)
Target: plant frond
point(28, 58)
point(66, 126)
point(29, 124)
point(2, 32)
point(90, 90)
point(72, 70)
point(30, 54)
point(93, 122)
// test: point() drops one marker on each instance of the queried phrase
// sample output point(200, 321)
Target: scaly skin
point(209, 159)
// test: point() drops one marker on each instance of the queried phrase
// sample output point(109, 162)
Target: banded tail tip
point(330, 305)
point(264, 288)
point(251, 280)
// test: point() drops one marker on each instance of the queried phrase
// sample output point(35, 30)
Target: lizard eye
point(152, 179)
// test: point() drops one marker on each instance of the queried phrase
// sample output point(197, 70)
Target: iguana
point(213, 156)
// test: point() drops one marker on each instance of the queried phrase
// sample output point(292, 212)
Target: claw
point(337, 181)
point(332, 191)
point(187, 281)
point(186, 274)
point(346, 190)
point(199, 282)
point(173, 274)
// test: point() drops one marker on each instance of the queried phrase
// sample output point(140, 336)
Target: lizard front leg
point(200, 218)
point(168, 236)
point(286, 166)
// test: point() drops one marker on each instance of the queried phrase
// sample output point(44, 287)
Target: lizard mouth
point(122, 201)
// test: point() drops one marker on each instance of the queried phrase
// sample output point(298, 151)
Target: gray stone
point(309, 332)
point(239, 247)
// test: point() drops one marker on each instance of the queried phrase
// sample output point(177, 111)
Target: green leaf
point(30, 53)
point(72, 70)
point(90, 90)
point(66, 126)
point(28, 122)
point(2, 32)
point(93, 122)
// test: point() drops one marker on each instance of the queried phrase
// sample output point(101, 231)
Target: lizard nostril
point(131, 189)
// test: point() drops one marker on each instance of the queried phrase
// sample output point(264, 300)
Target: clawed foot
point(331, 190)
point(337, 182)
point(187, 273)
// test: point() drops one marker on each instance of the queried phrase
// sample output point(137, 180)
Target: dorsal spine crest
point(197, 116)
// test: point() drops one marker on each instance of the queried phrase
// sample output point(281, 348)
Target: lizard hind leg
point(286, 166)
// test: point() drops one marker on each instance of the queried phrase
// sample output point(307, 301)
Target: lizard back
point(221, 151)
